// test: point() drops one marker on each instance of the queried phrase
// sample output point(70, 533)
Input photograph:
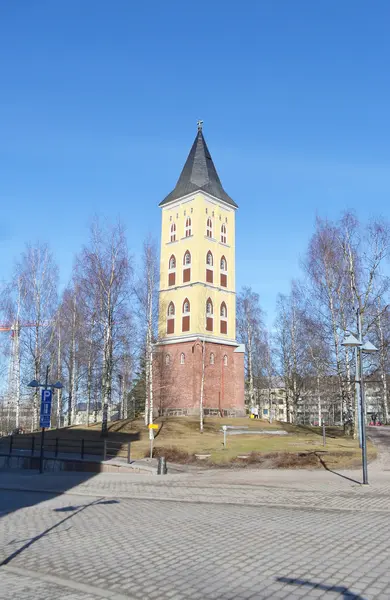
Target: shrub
point(172, 454)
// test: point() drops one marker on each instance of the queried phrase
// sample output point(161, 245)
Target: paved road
point(219, 535)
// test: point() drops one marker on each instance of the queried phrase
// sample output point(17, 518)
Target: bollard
point(128, 452)
point(32, 445)
point(56, 449)
point(162, 466)
point(323, 433)
point(11, 440)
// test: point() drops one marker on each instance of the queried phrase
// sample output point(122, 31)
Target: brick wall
point(176, 386)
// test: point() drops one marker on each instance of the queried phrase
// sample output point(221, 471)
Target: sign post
point(45, 413)
point(44, 418)
point(152, 427)
point(224, 428)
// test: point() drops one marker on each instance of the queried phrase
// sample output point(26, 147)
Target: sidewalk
point(293, 488)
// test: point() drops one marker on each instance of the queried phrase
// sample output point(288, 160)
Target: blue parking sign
point(44, 420)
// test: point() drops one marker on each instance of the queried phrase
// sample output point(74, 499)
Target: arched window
point(171, 318)
point(167, 359)
point(209, 315)
point(173, 232)
point(223, 274)
point(223, 234)
point(187, 267)
point(172, 271)
point(223, 318)
point(188, 230)
point(209, 228)
point(182, 358)
point(209, 267)
point(225, 360)
point(212, 358)
point(186, 315)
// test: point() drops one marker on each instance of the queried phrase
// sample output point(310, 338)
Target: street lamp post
point(57, 386)
point(352, 342)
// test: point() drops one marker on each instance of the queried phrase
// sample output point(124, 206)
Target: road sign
point(153, 426)
point(44, 420)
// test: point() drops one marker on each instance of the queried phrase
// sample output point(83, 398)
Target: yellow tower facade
point(197, 300)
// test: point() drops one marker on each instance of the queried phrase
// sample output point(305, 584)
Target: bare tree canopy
point(98, 335)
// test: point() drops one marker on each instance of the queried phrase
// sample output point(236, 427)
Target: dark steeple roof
point(199, 173)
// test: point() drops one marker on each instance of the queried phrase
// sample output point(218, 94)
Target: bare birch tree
point(38, 274)
point(250, 329)
point(146, 290)
point(104, 271)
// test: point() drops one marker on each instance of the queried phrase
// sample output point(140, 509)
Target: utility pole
point(358, 379)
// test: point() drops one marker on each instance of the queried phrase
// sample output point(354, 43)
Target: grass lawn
point(179, 439)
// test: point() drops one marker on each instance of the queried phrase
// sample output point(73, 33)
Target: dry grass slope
point(179, 439)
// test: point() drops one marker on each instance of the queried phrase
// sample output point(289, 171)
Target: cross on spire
point(200, 125)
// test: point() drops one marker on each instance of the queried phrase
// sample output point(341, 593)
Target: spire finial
point(200, 125)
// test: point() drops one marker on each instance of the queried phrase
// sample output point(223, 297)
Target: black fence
point(30, 445)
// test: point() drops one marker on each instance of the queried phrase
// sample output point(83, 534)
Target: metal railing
point(110, 446)
point(83, 447)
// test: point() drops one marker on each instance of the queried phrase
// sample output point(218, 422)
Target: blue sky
point(99, 102)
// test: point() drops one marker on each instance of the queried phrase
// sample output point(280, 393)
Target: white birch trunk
point(382, 359)
point(202, 386)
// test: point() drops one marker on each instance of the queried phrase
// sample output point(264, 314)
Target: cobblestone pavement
point(221, 535)
point(315, 489)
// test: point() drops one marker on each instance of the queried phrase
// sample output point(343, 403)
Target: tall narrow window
point(167, 359)
point(225, 361)
point(212, 358)
point(209, 268)
point(171, 318)
point(223, 234)
point(173, 232)
point(209, 315)
point(209, 228)
point(187, 267)
point(182, 358)
point(188, 230)
point(186, 315)
point(172, 271)
point(223, 318)
point(223, 268)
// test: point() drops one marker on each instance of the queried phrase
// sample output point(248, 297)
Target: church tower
point(197, 354)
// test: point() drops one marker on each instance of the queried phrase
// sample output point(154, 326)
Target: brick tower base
point(177, 379)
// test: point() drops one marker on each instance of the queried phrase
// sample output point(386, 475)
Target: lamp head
point(34, 384)
point(351, 342)
point(369, 348)
point(58, 385)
